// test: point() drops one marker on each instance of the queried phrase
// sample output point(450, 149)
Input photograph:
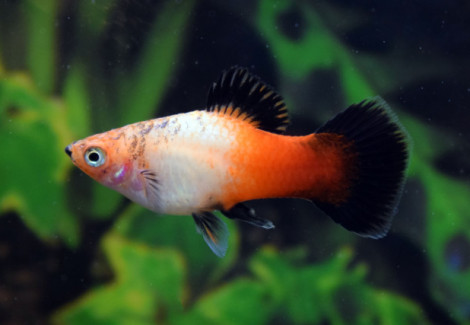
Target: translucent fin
point(243, 213)
point(152, 185)
point(213, 230)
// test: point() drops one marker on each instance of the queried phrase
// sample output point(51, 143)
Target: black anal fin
point(213, 230)
point(243, 213)
point(243, 95)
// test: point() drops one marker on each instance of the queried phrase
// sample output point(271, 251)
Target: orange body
point(268, 165)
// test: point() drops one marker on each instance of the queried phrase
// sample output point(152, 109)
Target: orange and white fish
point(352, 168)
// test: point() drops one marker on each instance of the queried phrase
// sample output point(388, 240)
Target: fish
point(235, 150)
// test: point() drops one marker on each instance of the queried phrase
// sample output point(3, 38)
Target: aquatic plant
point(69, 70)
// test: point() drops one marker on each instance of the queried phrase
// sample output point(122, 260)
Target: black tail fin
point(381, 146)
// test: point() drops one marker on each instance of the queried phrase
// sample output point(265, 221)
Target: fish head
point(102, 158)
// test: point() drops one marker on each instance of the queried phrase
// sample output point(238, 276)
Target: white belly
point(190, 161)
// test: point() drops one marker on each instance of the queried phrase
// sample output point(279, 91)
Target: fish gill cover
point(73, 252)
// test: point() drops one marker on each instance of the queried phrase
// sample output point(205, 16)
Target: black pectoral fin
point(213, 230)
point(243, 213)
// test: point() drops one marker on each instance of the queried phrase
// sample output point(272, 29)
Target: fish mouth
point(68, 150)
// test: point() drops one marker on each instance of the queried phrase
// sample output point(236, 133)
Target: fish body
point(234, 151)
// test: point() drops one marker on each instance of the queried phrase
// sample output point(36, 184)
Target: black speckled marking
point(162, 125)
point(141, 148)
point(118, 136)
point(133, 144)
point(145, 127)
point(176, 129)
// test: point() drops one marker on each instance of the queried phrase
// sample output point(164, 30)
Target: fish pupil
point(93, 156)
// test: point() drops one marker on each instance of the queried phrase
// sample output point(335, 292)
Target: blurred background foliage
point(74, 252)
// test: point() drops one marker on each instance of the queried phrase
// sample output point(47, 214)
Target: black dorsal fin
point(242, 94)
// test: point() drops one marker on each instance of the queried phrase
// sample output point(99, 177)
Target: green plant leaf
point(144, 90)
point(77, 100)
point(318, 48)
point(41, 18)
point(32, 167)
point(305, 295)
point(179, 232)
point(148, 284)
point(394, 309)
point(282, 292)
point(242, 301)
point(329, 292)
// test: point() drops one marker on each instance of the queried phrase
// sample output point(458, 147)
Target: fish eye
point(95, 157)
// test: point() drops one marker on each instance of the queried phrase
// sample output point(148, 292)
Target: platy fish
point(234, 150)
